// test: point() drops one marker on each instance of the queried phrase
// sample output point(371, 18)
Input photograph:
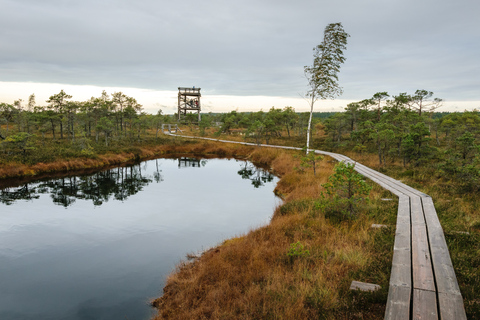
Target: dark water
point(100, 246)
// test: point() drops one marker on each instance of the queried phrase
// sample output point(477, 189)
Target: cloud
point(241, 48)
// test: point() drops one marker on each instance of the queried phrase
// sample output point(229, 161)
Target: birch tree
point(322, 75)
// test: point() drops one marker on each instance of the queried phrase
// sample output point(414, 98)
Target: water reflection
point(258, 176)
point(10, 195)
point(186, 162)
point(118, 183)
point(70, 259)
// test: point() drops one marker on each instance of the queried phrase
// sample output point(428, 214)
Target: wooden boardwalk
point(423, 284)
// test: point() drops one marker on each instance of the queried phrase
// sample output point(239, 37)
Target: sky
point(245, 55)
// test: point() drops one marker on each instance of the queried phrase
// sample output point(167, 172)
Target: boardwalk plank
point(421, 260)
point(424, 305)
point(450, 300)
point(401, 275)
point(398, 303)
point(421, 263)
point(451, 307)
point(442, 263)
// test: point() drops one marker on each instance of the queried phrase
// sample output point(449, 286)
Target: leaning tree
point(322, 75)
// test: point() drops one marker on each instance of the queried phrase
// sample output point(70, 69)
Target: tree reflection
point(258, 176)
point(157, 175)
point(10, 195)
point(119, 184)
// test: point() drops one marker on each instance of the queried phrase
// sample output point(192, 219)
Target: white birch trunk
point(310, 121)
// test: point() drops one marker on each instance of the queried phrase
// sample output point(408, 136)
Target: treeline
point(118, 118)
point(405, 128)
point(35, 133)
point(108, 116)
point(264, 125)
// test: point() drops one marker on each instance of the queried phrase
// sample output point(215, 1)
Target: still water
point(101, 246)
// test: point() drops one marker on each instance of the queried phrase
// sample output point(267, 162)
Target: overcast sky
point(237, 48)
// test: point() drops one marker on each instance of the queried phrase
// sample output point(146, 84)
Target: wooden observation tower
point(188, 102)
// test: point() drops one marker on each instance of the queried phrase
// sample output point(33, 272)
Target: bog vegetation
point(300, 265)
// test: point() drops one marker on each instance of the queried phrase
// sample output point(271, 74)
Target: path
point(423, 284)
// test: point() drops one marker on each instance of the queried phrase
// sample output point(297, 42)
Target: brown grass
point(253, 277)
point(18, 170)
point(202, 148)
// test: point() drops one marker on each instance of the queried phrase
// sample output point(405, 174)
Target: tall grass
point(255, 276)
point(259, 276)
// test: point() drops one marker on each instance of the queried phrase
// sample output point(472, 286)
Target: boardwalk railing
point(423, 284)
point(168, 128)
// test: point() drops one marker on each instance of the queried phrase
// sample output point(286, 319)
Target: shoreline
point(14, 174)
point(288, 225)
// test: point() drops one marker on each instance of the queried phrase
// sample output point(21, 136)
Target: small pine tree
point(310, 160)
point(346, 190)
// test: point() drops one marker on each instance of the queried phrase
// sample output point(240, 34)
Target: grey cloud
point(243, 47)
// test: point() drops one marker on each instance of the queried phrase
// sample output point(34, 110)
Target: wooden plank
point(386, 179)
point(378, 226)
point(363, 286)
point(449, 297)
point(390, 184)
point(403, 229)
point(445, 274)
point(421, 263)
point(417, 211)
point(398, 303)
point(451, 307)
point(395, 189)
point(421, 260)
point(401, 274)
point(400, 288)
point(442, 263)
point(424, 305)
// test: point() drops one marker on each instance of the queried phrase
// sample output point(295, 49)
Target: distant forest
point(402, 128)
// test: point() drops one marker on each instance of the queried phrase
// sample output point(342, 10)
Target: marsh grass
point(252, 276)
point(300, 266)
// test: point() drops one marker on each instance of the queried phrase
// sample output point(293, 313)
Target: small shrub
point(346, 189)
point(295, 206)
point(310, 160)
point(297, 250)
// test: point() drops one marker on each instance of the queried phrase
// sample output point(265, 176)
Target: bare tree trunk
point(379, 153)
point(53, 128)
point(310, 120)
